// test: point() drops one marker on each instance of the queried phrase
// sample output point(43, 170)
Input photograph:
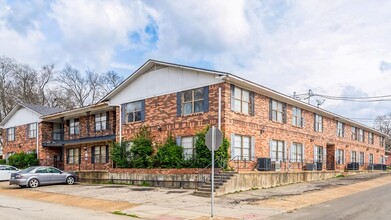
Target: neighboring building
point(22, 130)
point(181, 100)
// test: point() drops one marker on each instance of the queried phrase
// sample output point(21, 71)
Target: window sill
point(243, 114)
point(192, 114)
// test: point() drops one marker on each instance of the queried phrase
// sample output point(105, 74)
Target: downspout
point(37, 147)
point(120, 125)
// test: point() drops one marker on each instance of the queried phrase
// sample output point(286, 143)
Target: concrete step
point(201, 194)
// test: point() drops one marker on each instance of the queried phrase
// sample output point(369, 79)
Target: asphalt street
point(369, 204)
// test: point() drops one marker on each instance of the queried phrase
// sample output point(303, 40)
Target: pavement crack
point(9, 207)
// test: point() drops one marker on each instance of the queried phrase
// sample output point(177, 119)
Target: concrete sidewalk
point(159, 203)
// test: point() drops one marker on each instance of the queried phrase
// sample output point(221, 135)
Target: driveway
point(163, 203)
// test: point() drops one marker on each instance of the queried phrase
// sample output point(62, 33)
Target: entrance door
point(330, 160)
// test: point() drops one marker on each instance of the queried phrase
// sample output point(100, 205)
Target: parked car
point(41, 175)
point(6, 170)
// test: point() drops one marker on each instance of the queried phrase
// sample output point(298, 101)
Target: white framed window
point(73, 155)
point(370, 138)
point(133, 111)
point(354, 133)
point(188, 144)
point(242, 102)
point(242, 147)
point(101, 121)
point(32, 130)
point(277, 150)
point(297, 117)
point(277, 111)
point(74, 126)
point(100, 154)
point(382, 160)
point(318, 154)
point(360, 135)
point(362, 159)
point(353, 157)
point(370, 159)
point(318, 125)
point(340, 156)
point(297, 152)
point(11, 134)
point(340, 129)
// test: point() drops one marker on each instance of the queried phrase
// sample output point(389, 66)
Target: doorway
point(330, 158)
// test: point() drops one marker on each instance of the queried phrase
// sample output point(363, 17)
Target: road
point(14, 208)
point(369, 204)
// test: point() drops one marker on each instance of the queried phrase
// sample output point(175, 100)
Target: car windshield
point(27, 170)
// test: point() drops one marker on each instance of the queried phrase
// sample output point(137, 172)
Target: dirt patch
point(76, 201)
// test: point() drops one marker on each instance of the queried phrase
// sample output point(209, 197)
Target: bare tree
point(110, 81)
point(7, 67)
point(72, 81)
point(46, 75)
point(94, 82)
point(383, 124)
point(25, 84)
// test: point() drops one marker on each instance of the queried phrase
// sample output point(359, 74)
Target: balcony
point(58, 139)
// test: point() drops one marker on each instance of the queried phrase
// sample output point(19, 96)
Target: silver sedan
point(41, 175)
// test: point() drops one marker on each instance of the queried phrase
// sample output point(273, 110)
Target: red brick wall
point(22, 142)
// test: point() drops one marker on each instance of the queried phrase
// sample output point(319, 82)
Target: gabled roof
point(247, 84)
point(155, 64)
point(37, 109)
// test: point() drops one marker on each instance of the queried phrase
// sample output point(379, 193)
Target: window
point(242, 148)
point(128, 152)
point(340, 129)
point(32, 130)
point(318, 154)
point(277, 111)
point(188, 144)
point(101, 121)
point(134, 111)
point(99, 154)
point(318, 125)
point(382, 141)
point(361, 135)
point(353, 157)
point(74, 126)
point(370, 158)
point(297, 152)
point(340, 157)
point(192, 101)
point(370, 138)
point(362, 159)
point(381, 160)
point(73, 156)
point(11, 134)
point(354, 133)
point(277, 150)
point(242, 102)
point(297, 118)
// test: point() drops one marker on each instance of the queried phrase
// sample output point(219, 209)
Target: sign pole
point(213, 170)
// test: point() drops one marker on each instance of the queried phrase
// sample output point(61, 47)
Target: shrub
point(204, 155)
point(119, 155)
point(142, 149)
point(23, 160)
point(169, 155)
point(3, 161)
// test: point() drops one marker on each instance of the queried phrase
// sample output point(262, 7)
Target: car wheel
point(33, 183)
point(70, 180)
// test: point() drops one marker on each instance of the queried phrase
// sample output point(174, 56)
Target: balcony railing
point(57, 138)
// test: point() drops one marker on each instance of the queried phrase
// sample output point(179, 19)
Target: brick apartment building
point(181, 100)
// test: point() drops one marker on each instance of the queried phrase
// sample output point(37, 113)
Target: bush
point(119, 155)
point(169, 155)
point(23, 160)
point(204, 155)
point(3, 161)
point(142, 149)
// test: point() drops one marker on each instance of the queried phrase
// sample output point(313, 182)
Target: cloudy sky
point(336, 48)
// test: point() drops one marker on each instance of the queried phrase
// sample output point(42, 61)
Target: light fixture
point(312, 139)
point(159, 128)
point(262, 131)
